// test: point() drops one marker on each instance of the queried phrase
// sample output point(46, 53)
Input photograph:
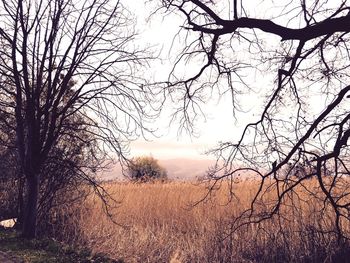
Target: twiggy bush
point(145, 169)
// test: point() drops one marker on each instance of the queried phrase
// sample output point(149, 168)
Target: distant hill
point(180, 168)
point(184, 169)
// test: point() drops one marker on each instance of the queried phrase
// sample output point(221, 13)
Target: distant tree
point(146, 168)
point(67, 58)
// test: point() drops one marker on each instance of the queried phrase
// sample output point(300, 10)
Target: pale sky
point(220, 125)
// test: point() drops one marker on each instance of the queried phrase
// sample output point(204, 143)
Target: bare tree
point(305, 117)
point(66, 58)
point(70, 164)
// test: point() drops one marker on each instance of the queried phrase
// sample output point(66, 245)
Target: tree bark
point(20, 207)
point(31, 207)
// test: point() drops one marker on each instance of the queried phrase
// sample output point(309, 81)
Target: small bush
point(146, 168)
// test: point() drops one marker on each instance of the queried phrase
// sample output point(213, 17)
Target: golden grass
point(160, 224)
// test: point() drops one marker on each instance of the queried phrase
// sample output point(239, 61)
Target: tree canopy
point(304, 118)
point(66, 62)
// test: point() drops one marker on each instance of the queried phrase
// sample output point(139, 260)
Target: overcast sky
point(219, 125)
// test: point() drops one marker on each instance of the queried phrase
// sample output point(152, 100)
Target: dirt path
point(8, 258)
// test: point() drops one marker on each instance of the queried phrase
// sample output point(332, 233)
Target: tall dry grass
point(157, 222)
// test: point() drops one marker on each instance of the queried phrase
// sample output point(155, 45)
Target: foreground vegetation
point(157, 222)
point(44, 250)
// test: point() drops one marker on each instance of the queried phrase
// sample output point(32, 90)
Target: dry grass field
point(157, 222)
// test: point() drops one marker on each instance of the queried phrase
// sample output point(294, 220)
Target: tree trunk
point(31, 206)
point(20, 207)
